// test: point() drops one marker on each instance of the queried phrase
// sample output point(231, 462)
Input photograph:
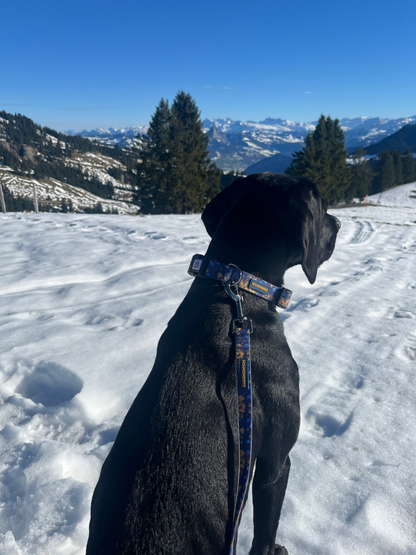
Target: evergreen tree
point(398, 167)
point(339, 174)
point(361, 176)
point(386, 175)
point(154, 170)
point(175, 174)
point(408, 164)
point(323, 159)
point(58, 149)
point(305, 161)
point(197, 178)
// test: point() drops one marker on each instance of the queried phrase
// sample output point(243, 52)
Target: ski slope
point(83, 302)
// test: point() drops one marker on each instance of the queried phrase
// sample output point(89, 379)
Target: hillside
point(403, 140)
point(66, 170)
point(402, 195)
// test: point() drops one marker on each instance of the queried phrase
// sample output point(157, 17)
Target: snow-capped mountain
point(358, 131)
point(124, 136)
point(235, 145)
point(367, 131)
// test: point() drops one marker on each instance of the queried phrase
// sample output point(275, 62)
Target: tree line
point(339, 176)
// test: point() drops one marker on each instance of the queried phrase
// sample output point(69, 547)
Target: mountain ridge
point(403, 139)
point(236, 145)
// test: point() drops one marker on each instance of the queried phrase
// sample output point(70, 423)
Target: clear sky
point(99, 63)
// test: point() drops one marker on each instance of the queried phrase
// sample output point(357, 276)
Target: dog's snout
point(338, 223)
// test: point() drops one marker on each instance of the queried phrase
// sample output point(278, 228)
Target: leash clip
point(241, 319)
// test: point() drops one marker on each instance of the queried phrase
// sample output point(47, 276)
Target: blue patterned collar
point(202, 266)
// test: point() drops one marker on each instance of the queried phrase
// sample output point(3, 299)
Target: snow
point(84, 299)
point(405, 195)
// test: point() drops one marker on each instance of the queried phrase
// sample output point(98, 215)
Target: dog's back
point(165, 486)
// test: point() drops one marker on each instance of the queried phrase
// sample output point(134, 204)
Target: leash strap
point(243, 371)
point(202, 266)
point(233, 278)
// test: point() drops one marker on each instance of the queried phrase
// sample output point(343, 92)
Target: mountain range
point(89, 171)
point(237, 145)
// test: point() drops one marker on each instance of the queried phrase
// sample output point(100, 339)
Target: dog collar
point(202, 266)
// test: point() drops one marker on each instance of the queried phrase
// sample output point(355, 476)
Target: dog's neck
point(251, 257)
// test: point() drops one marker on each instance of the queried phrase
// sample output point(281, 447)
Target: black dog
point(168, 485)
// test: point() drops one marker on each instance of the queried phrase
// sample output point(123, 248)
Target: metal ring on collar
point(240, 274)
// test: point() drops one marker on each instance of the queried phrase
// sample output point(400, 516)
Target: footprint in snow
point(306, 304)
point(403, 314)
point(50, 384)
point(330, 425)
point(154, 235)
point(410, 353)
point(363, 231)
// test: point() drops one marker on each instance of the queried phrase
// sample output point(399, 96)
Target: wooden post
point(35, 198)
point(3, 204)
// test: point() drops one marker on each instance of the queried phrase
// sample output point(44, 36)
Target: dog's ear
point(219, 205)
point(311, 236)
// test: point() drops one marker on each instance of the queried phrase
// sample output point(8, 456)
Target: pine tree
point(155, 169)
point(386, 176)
point(304, 161)
point(398, 167)
point(339, 174)
point(175, 174)
point(323, 159)
point(196, 178)
point(408, 164)
point(361, 176)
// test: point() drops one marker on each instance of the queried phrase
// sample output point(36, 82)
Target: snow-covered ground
point(83, 301)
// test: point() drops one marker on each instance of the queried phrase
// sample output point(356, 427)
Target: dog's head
point(267, 211)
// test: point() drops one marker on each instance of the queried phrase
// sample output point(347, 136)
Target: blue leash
point(233, 278)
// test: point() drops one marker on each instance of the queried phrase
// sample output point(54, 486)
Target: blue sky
point(85, 64)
